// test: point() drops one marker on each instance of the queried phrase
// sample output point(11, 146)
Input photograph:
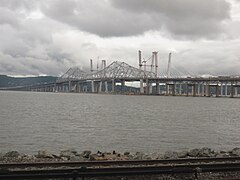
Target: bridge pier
point(69, 86)
point(78, 87)
point(217, 91)
point(141, 87)
point(198, 92)
point(208, 89)
point(174, 89)
point(166, 89)
point(150, 87)
point(157, 88)
point(194, 90)
point(236, 90)
point(106, 87)
point(92, 86)
point(226, 89)
point(100, 87)
point(221, 93)
point(122, 86)
point(180, 88)
point(187, 89)
point(232, 90)
point(113, 85)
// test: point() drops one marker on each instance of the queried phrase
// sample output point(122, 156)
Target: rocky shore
point(72, 155)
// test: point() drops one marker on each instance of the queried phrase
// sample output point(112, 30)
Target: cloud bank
point(48, 37)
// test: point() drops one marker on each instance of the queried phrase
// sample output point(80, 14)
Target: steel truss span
point(116, 70)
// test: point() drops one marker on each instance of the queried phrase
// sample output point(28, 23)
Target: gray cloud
point(69, 33)
point(124, 18)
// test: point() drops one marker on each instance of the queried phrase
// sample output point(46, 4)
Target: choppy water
point(30, 121)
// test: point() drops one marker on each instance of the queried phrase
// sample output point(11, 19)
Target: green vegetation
point(6, 81)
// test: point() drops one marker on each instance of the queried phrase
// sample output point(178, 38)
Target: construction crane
point(169, 65)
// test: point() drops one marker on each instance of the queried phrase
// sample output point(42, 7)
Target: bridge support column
point(113, 85)
point(236, 90)
point(150, 87)
point(194, 90)
point(147, 87)
point(78, 87)
point(208, 90)
point(55, 87)
point(180, 88)
point(187, 89)
point(92, 86)
point(141, 86)
point(123, 86)
point(166, 89)
point(106, 87)
point(85, 88)
point(226, 89)
point(174, 89)
point(204, 88)
point(232, 90)
point(69, 86)
point(198, 92)
point(100, 87)
point(75, 88)
point(221, 89)
point(157, 88)
point(217, 91)
point(201, 89)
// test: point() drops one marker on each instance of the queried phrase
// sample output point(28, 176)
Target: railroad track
point(117, 168)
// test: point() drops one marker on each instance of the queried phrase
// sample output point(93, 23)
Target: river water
point(32, 121)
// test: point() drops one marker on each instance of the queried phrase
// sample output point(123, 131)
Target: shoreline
point(73, 155)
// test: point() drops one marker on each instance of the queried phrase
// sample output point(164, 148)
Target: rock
point(92, 158)
point(68, 153)
point(28, 157)
point(130, 157)
point(182, 154)
point(222, 154)
point(64, 158)
point(126, 153)
point(193, 152)
point(1, 156)
point(56, 156)
point(86, 154)
point(77, 158)
point(154, 156)
point(170, 155)
point(160, 156)
point(235, 152)
point(44, 154)
point(12, 154)
point(146, 157)
point(138, 156)
point(205, 152)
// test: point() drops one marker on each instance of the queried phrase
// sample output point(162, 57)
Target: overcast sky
point(47, 37)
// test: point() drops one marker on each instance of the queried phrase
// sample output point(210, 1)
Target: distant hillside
point(6, 81)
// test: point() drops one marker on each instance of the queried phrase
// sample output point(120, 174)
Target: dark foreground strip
point(119, 163)
point(119, 171)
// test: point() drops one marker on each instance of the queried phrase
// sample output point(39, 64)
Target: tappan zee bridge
point(147, 79)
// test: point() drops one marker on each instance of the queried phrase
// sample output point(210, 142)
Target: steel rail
point(119, 163)
point(120, 171)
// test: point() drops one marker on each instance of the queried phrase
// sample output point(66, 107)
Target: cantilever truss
point(116, 70)
point(121, 70)
point(72, 74)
